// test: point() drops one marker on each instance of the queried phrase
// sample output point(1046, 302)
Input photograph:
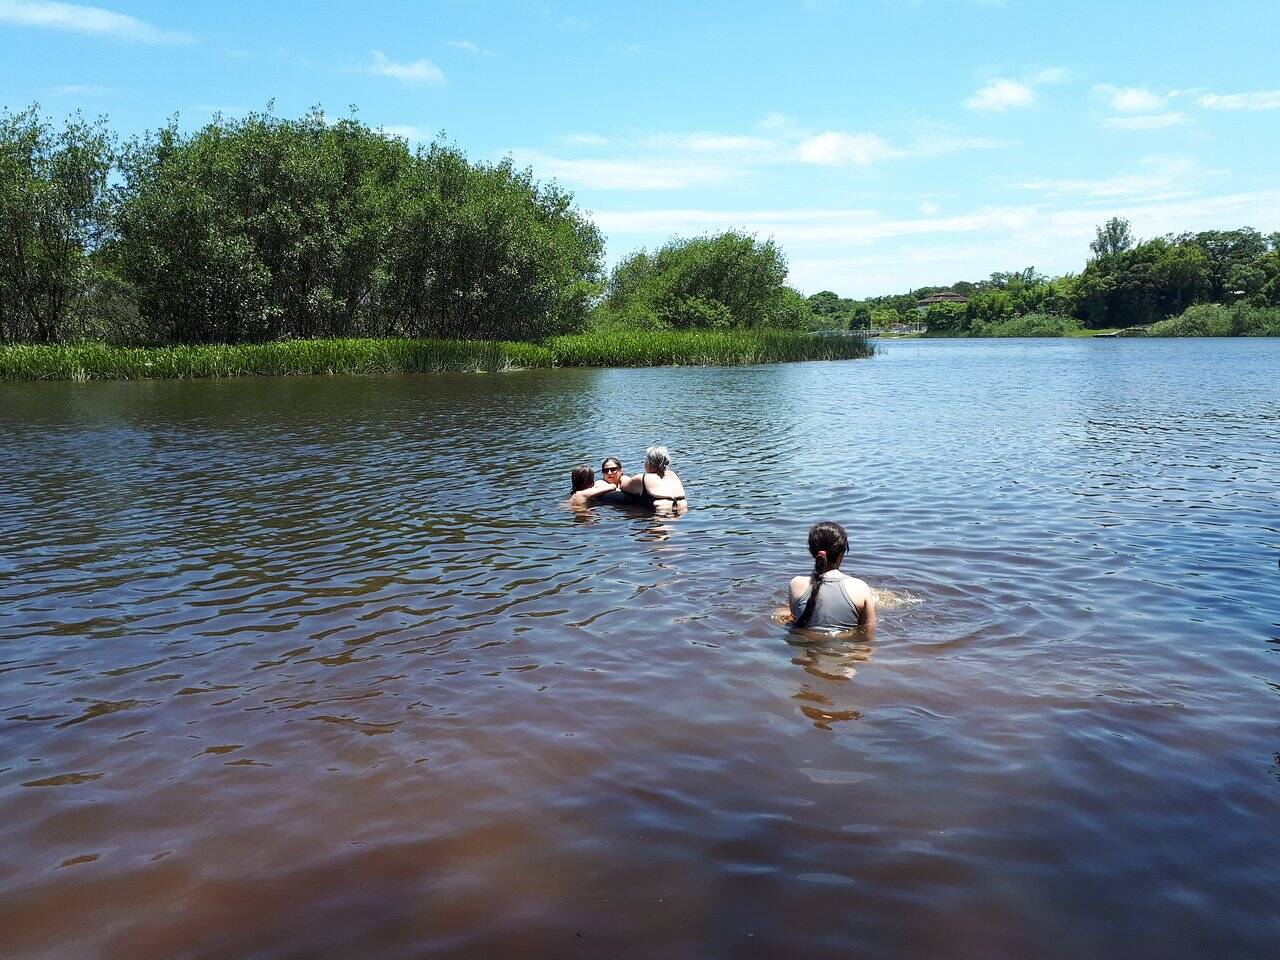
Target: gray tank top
point(833, 608)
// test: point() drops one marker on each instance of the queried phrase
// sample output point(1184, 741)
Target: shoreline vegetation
point(1214, 283)
point(100, 361)
point(267, 245)
point(1201, 320)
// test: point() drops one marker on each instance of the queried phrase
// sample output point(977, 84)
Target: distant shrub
point(1217, 320)
point(1029, 325)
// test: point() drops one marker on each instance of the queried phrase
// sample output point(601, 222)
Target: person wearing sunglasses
point(611, 470)
point(586, 488)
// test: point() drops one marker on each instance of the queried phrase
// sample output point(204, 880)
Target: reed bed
point(706, 348)
point(97, 361)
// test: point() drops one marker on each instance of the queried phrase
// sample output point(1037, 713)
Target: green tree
point(744, 275)
point(487, 252)
point(1112, 238)
point(267, 228)
point(882, 318)
point(54, 214)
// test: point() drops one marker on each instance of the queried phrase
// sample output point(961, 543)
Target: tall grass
point(1029, 325)
point(95, 361)
point(662, 348)
point(1217, 320)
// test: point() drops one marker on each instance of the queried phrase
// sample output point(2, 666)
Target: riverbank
point(1200, 320)
point(97, 361)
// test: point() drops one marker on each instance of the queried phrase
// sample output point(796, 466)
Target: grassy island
point(270, 246)
point(99, 361)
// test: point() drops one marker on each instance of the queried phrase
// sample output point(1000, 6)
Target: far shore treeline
point(261, 230)
point(1213, 283)
point(264, 230)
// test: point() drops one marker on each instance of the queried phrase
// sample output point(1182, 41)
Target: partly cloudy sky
point(886, 144)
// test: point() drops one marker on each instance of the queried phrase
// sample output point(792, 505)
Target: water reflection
point(831, 661)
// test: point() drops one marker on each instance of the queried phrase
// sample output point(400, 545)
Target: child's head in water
point(582, 478)
point(828, 544)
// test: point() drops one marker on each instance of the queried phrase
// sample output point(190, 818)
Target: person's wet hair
point(656, 460)
point(828, 544)
point(609, 462)
point(582, 477)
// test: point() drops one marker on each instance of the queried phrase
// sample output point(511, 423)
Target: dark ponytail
point(828, 543)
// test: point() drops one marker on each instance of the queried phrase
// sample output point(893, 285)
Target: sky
point(884, 144)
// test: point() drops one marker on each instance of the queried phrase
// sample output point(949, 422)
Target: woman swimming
point(846, 601)
point(658, 486)
point(586, 487)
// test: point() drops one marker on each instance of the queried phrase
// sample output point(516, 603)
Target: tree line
point(262, 229)
point(1125, 283)
point(265, 229)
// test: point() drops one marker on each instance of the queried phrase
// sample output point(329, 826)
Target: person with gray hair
point(658, 486)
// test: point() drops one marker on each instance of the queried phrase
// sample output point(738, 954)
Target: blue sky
point(884, 144)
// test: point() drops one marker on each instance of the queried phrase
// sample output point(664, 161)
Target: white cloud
point(834, 149)
point(1050, 75)
point(1149, 121)
point(1159, 178)
point(778, 123)
point(862, 252)
point(584, 140)
point(929, 208)
point(419, 71)
point(1131, 99)
point(471, 47)
point(627, 173)
point(77, 18)
point(1257, 100)
point(1001, 95)
point(940, 144)
point(81, 90)
point(717, 143)
point(667, 161)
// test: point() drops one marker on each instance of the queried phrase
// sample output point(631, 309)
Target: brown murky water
point(320, 668)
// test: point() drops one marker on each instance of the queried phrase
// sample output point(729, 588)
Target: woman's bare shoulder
point(856, 589)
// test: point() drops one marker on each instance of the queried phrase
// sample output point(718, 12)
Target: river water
point(321, 667)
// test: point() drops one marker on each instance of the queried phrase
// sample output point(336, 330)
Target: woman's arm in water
point(632, 484)
point(599, 489)
point(867, 612)
point(582, 498)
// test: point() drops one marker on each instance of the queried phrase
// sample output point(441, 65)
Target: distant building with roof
point(946, 296)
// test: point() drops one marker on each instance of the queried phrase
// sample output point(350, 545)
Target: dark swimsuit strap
point(651, 496)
